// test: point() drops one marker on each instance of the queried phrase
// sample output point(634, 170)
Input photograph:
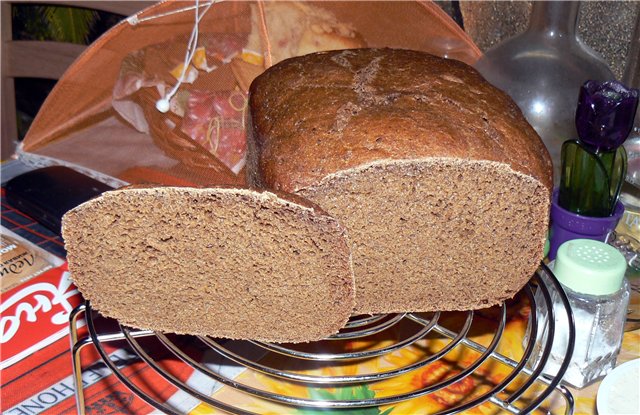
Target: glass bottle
point(628, 230)
point(631, 77)
point(543, 68)
point(592, 275)
point(627, 233)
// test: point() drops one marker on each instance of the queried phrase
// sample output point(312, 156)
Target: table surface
point(585, 399)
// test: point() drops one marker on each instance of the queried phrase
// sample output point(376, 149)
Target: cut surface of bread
point(443, 186)
point(436, 234)
point(231, 263)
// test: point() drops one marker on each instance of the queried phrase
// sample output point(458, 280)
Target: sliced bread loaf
point(442, 184)
point(223, 262)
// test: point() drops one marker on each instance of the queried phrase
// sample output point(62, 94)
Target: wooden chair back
point(38, 59)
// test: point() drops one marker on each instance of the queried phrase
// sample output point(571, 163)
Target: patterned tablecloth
point(491, 373)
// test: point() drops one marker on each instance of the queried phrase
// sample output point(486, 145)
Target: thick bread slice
point(222, 262)
point(443, 186)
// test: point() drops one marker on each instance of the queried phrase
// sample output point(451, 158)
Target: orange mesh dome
point(101, 115)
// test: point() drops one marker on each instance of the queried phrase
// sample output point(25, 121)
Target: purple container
point(566, 225)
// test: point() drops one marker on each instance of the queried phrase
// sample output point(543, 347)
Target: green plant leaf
point(345, 393)
point(69, 24)
point(321, 395)
point(34, 25)
point(363, 392)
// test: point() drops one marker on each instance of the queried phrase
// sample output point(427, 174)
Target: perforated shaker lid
point(590, 267)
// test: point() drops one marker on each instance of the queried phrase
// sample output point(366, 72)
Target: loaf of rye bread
point(443, 186)
point(223, 262)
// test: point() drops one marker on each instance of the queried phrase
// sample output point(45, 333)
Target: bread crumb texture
point(230, 263)
point(438, 234)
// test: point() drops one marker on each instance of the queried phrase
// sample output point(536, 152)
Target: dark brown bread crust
point(326, 112)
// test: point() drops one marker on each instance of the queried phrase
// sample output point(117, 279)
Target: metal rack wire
point(508, 394)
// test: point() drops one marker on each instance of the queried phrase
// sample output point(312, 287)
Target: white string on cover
point(134, 19)
point(164, 104)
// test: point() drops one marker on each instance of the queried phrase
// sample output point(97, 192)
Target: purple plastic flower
point(604, 117)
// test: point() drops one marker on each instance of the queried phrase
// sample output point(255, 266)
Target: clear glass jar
point(599, 322)
point(592, 276)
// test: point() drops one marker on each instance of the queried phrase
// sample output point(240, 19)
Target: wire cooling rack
point(523, 389)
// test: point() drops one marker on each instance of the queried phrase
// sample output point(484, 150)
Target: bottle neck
point(554, 18)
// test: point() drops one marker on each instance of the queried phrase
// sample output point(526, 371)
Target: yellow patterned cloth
point(489, 374)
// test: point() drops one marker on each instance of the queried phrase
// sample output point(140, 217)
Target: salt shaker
point(592, 276)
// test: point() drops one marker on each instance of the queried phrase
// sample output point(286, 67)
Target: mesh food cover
point(102, 117)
